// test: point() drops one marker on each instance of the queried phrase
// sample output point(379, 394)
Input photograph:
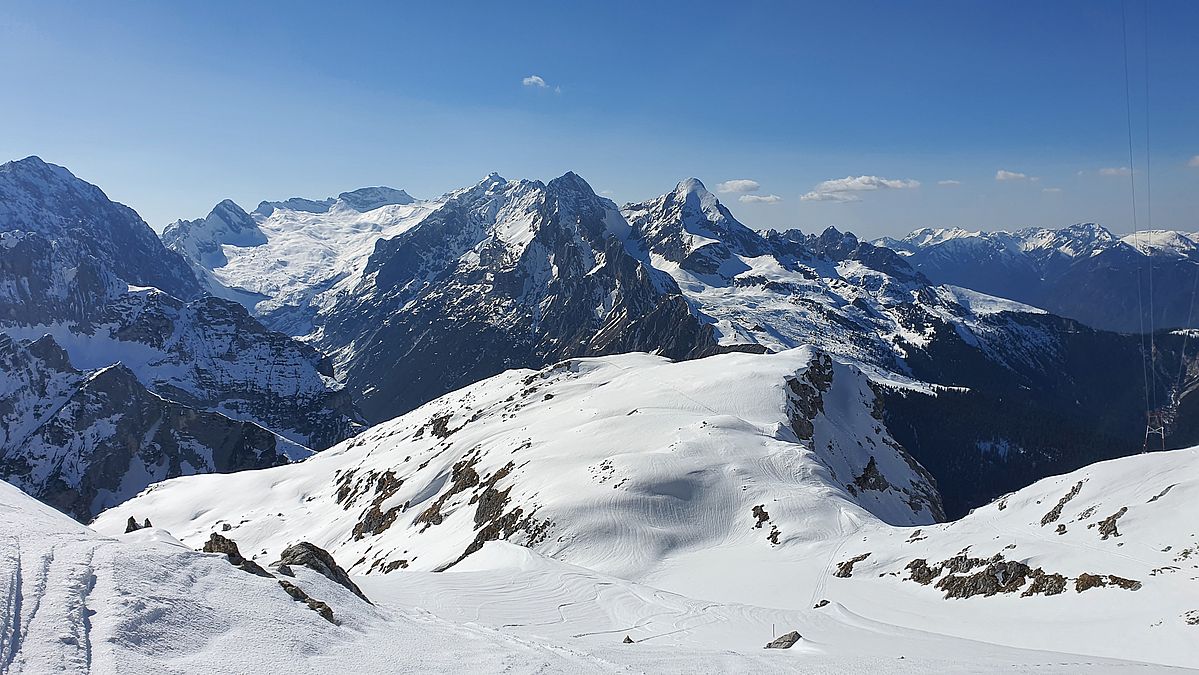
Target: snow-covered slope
point(614, 463)
point(1109, 584)
point(72, 600)
point(675, 502)
point(1164, 242)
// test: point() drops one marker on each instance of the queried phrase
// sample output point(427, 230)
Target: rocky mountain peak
point(232, 215)
point(570, 181)
point(201, 240)
point(64, 222)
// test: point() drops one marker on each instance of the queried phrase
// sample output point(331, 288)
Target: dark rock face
point(966, 577)
point(316, 558)
point(219, 544)
point(1037, 410)
point(785, 641)
point(317, 606)
point(871, 478)
point(845, 569)
point(75, 440)
point(222, 357)
point(210, 353)
point(504, 275)
point(1056, 511)
point(1107, 527)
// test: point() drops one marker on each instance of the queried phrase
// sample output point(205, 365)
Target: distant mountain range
point(1083, 272)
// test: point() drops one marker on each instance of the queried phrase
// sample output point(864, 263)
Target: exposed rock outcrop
point(785, 641)
point(305, 554)
point(315, 605)
point(218, 544)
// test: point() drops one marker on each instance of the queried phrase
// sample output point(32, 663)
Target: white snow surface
point(646, 473)
point(72, 600)
point(306, 256)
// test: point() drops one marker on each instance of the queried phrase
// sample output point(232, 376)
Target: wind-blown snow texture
point(72, 600)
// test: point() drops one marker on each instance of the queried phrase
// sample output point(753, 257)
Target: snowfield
point(290, 259)
point(689, 507)
point(73, 600)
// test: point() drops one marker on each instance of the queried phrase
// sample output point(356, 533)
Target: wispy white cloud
point(844, 189)
point(1115, 171)
point(738, 185)
point(949, 182)
point(759, 199)
point(535, 81)
point(1051, 189)
point(814, 196)
point(1004, 174)
point(1194, 163)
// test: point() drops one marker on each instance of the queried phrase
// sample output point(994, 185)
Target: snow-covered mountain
point(738, 482)
point(500, 275)
point(83, 441)
point(417, 300)
point(127, 354)
point(1083, 271)
point(54, 226)
point(786, 288)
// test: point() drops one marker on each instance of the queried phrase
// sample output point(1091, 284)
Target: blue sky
point(171, 107)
